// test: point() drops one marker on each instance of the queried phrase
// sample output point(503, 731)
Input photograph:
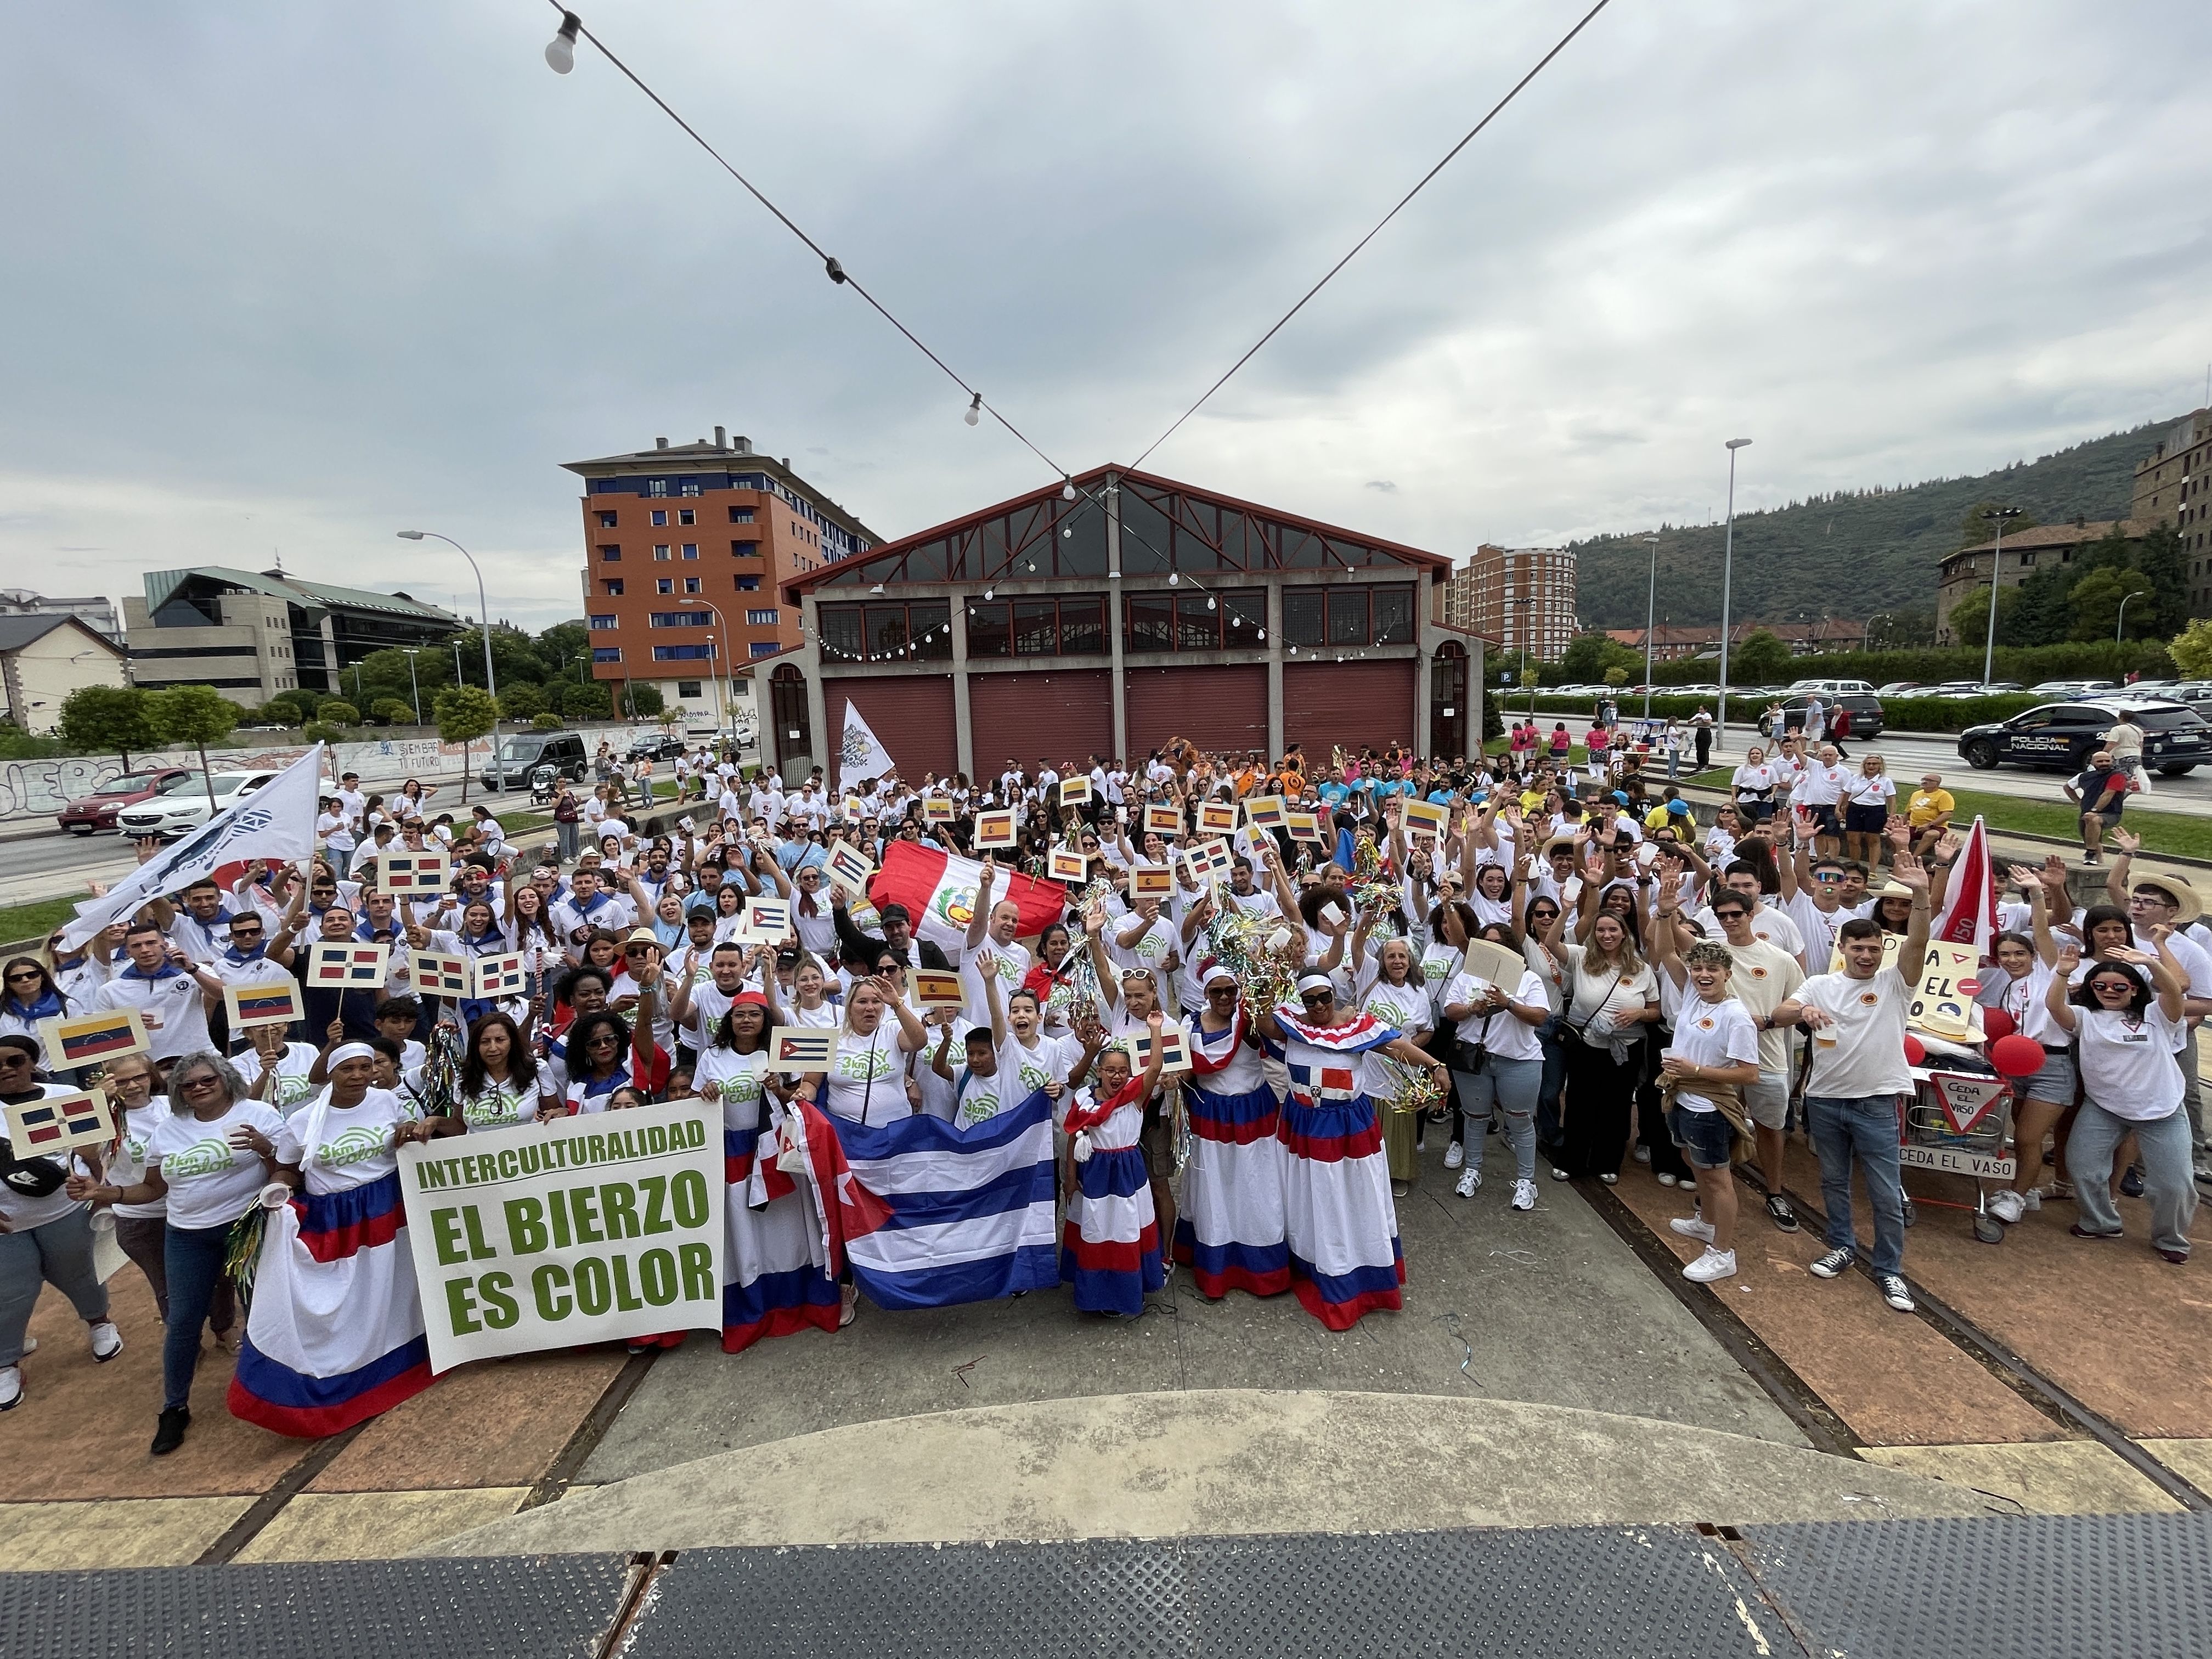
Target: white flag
point(276, 821)
point(859, 755)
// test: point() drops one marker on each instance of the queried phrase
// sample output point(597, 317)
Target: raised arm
point(2038, 910)
point(1910, 871)
point(978, 923)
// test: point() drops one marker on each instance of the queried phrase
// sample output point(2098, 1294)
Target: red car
point(97, 811)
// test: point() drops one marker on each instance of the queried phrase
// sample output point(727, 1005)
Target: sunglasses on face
point(33, 975)
point(2116, 986)
point(1826, 877)
point(1313, 997)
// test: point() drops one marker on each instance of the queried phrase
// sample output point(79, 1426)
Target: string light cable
point(1353, 252)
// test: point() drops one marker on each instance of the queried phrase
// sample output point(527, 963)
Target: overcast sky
point(286, 278)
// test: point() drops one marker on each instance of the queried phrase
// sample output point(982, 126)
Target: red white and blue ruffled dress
point(1230, 1229)
point(1339, 1219)
point(1110, 1247)
point(773, 1279)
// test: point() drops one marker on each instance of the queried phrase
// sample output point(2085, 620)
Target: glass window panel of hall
point(1197, 628)
point(1348, 616)
point(1083, 626)
point(1302, 613)
point(1036, 627)
point(932, 637)
point(1152, 622)
point(1245, 613)
point(841, 631)
point(988, 635)
point(1394, 615)
point(1083, 553)
point(886, 628)
point(1144, 535)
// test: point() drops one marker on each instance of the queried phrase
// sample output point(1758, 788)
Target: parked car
point(655, 745)
point(1960, 688)
point(1825, 686)
point(184, 805)
point(90, 814)
point(1901, 688)
point(518, 757)
point(2176, 737)
point(2073, 688)
point(1865, 706)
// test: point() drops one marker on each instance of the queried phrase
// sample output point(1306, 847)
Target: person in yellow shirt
point(1671, 811)
point(1929, 811)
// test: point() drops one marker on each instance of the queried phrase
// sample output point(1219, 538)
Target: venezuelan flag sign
point(75, 1040)
point(262, 1002)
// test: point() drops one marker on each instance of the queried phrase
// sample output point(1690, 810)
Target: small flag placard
point(438, 975)
point(1175, 1049)
point(848, 866)
point(1164, 820)
point(263, 1002)
point(503, 976)
point(1217, 818)
point(936, 990)
point(347, 966)
point(1065, 863)
point(73, 1040)
point(1424, 818)
point(1151, 881)
point(1075, 792)
point(1265, 811)
point(58, 1123)
point(801, 1049)
point(994, 830)
point(412, 872)
point(767, 922)
point(1302, 826)
point(939, 809)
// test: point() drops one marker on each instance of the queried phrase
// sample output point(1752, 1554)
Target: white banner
point(276, 821)
point(859, 755)
point(584, 1230)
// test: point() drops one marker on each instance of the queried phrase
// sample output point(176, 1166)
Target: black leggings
point(1599, 1095)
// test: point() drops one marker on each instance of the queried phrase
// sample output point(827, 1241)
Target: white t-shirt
point(866, 1075)
point(1503, 1033)
point(1603, 1002)
point(175, 999)
point(506, 1105)
point(1862, 1053)
point(1876, 791)
point(291, 1087)
point(1711, 1033)
point(980, 1099)
point(1013, 966)
point(341, 1147)
point(2127, 1062)
point(211, 1183)
point(1763, 978)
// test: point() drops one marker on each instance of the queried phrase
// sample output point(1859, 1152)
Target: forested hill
point(1848, 555)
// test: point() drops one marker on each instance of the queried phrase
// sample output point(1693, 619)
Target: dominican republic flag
point(1969, 903)
point(938, 891)
point(334, 1332)
point(928, 1215)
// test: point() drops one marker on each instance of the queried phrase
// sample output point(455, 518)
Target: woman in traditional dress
point(1339, 1219)
point(1110, 1240)
point(773, 1284)
point(1231, 1230)
point(334, 1327)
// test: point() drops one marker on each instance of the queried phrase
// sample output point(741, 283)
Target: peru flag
point(938, 891)
point(1969, 903)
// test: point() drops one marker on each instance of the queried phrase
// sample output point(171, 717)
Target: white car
point(186, 807)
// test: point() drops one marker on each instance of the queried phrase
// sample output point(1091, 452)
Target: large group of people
point(1394, 950)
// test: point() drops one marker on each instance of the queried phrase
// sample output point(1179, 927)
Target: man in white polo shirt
point(170, 991)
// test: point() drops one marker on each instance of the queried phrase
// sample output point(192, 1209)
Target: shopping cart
point(1955, 1121)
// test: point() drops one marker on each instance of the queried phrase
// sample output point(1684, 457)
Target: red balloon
point(2016, 1055)
point(1996, 1023)
point(1914, 1052)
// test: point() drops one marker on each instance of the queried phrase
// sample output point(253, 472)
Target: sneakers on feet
point(106, 1341)
point(11, 1387)
point(1558, 1173)
point(1524, 1194)
point(1643, 1154)
point(1607, 1176)
point(1833, 1265)
point(169, 1432)
point(2131, 1183)
point(1454, 1155)
point(2007, 1207)
point(1691, 1226)
point(1781, 1212)
point(1713, 1264)
point(1894, 1292)
point(1469, 1180)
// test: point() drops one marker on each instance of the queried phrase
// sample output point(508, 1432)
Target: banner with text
point(584, 1230)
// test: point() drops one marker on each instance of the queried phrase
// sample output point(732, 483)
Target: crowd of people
point(1395, 951)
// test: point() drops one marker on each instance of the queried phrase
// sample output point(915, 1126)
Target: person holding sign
point(1497, 1059)
point(2125, 1020)
point(1111, 1241)
point(45, 1234)
point(991, 934)
point(334, 1331)
point(1857, 1018)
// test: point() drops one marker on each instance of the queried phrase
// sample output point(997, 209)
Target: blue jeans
point(1861, 1129)
point(57, 1254)
point(1554, 1082)
point(2162, 1143)
point(1512, 1085)
point(566, 835)
point(192, 1259)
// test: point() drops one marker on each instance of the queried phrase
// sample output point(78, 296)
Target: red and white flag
point(1969, 916)
point(938, 891)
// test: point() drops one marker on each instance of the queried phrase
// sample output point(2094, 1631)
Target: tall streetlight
point(415, 687)
point(2119, 634)
point(483, 607)
point(1650, 613)
point(1997, 563)
point(1728, 576)
point(714, 663)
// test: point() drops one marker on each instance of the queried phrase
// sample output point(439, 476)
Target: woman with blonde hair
point(1614, 997)
point(1867, 799)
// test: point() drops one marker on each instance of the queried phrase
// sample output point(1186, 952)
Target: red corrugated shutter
point(1359, 705)
point(1067, 714)
point(1222, 708)
point(911, 715)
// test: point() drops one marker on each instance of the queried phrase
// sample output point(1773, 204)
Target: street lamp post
point(1728, 578)
point(484, 608)
point(714, 663)
point(1650, 613)
point(1996, 564)
point(2120, 628)
point(415, 686)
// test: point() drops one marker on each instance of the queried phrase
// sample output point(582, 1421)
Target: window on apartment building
point(660, 550)
point(598, 622)
point(687, 515)
point(665, 585)
point(606, 521)
point(659, 516)
point(611, 555)
point(680, 653)
point(691, 550)
point(760, 618)
point(690, 584)
point(681, 618)
point(688, 486)
point(656, 486)
point(689, 688)
point(606, 653)
point(769, 648)
point(748, 584)
point(741, 515)
point(745, 549)
point(613, 584)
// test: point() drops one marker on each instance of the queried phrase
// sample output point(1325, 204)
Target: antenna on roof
point(279, 553)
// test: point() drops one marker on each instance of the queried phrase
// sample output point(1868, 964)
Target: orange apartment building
point(687, 550)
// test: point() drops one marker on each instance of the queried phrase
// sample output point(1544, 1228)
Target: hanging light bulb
point(1067, 490)
point(1032, 565)
point(1263, 632)
point(1175, 577)
point(561, 50)
point(989, 591)
point(1068, 534)
point(974, 410)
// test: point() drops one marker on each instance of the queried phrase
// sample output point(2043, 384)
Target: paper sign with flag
point(59, 1122)
point(939, 809)
point(1151, 881)
point(767, 922)
point(1424, 818)
point(859, 755)
point(1075, 792)
point(438, 975)
point(1175, 1049)
point(73, 1040)
point(503, 976)
point(1265, 812)
point(262, 1002)
point(1065, 863)
point(1302, 826)
point(348, 966)
point(276, 821)
point(1969, 916)
point(995, 830)
point(938, 891)
point(1217, 818)
point(1164, 820)
point(936, 990)
point(848, 866)
point(412, 872)
point(801, 1049)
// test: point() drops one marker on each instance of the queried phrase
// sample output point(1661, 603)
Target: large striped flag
point(1969, 902)
point(929, 1214)
point(938, 891)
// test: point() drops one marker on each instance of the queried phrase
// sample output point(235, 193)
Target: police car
point(2064, 735)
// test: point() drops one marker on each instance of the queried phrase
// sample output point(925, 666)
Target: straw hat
point(2184, 896)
